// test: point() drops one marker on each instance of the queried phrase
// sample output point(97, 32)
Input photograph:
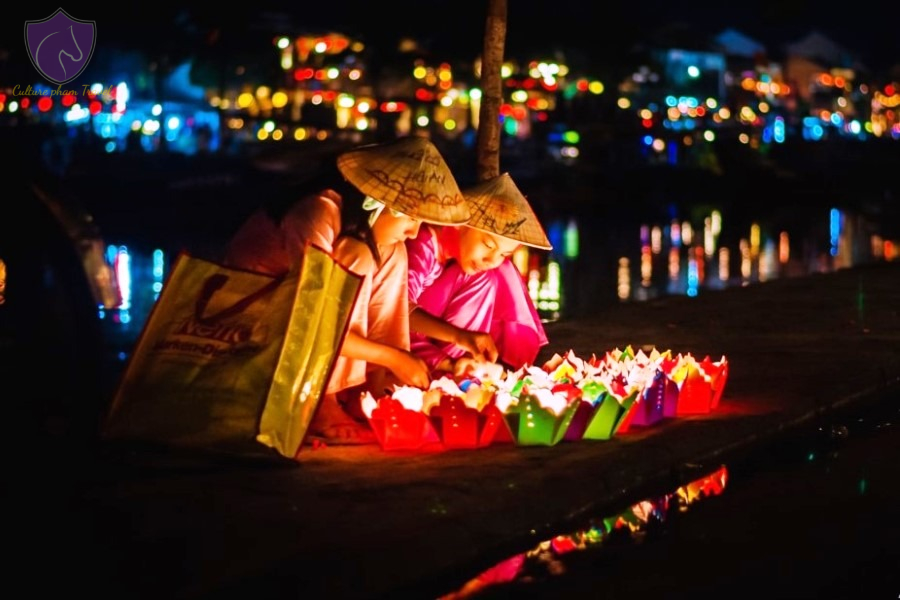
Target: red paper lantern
point(399, 428)
point(461, 426)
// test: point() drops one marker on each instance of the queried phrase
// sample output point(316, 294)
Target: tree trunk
point(488, 144)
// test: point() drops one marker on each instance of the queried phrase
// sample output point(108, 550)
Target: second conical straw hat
point(408, 175)
point(499, 207)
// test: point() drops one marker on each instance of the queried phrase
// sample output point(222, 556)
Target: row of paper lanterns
point(566, 399)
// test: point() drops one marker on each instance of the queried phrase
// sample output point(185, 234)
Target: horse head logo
point(59, 46)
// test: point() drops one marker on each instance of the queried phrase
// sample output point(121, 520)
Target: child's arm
point(409, 369)
point(480, 345)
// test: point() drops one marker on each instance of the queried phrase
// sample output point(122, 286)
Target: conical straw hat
point(499, 207)
point(410, 176)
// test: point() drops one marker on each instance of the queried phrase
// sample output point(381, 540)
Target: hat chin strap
point(375, 206)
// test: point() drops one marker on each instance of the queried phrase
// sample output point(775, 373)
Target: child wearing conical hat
point(469, 301)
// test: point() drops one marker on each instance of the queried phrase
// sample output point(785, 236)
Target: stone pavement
point(359, 522)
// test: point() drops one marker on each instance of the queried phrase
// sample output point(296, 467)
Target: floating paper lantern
point(461, 426)
point(584, 411)
point(658, 401)
point(397, 427)
point(718, 371)
point(592, 393)
point(611, 417)
point(700, 389)
point(535, 424)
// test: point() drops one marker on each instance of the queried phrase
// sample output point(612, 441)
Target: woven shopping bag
point(234, 360)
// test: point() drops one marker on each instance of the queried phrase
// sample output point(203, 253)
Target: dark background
point(595, 34)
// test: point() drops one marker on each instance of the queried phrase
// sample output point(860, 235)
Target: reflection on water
point(543, 560)
point(138, 276)
point(683, 258)
point(674, 258)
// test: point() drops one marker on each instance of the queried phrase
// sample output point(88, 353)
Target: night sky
point(602, 29)
point(596, 32)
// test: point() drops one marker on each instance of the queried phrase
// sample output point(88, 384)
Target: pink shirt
point(428, 256)
point(494, 301)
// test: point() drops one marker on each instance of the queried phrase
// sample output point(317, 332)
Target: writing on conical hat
point(410, 176)
point(499, 207)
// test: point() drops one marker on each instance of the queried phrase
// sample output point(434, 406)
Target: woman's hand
point(410, 369)
point(480, 345)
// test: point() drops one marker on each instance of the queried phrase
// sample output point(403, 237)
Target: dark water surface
point(813, 514)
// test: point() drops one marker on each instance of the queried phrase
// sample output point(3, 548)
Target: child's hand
point(411, 370)
point(480, 345)
point(464, 366)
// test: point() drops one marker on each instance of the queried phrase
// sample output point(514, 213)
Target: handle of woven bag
point(217, 282)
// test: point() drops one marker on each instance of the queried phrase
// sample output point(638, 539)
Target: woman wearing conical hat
point(468, 300)
point(398, 185)
point(406, 183)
